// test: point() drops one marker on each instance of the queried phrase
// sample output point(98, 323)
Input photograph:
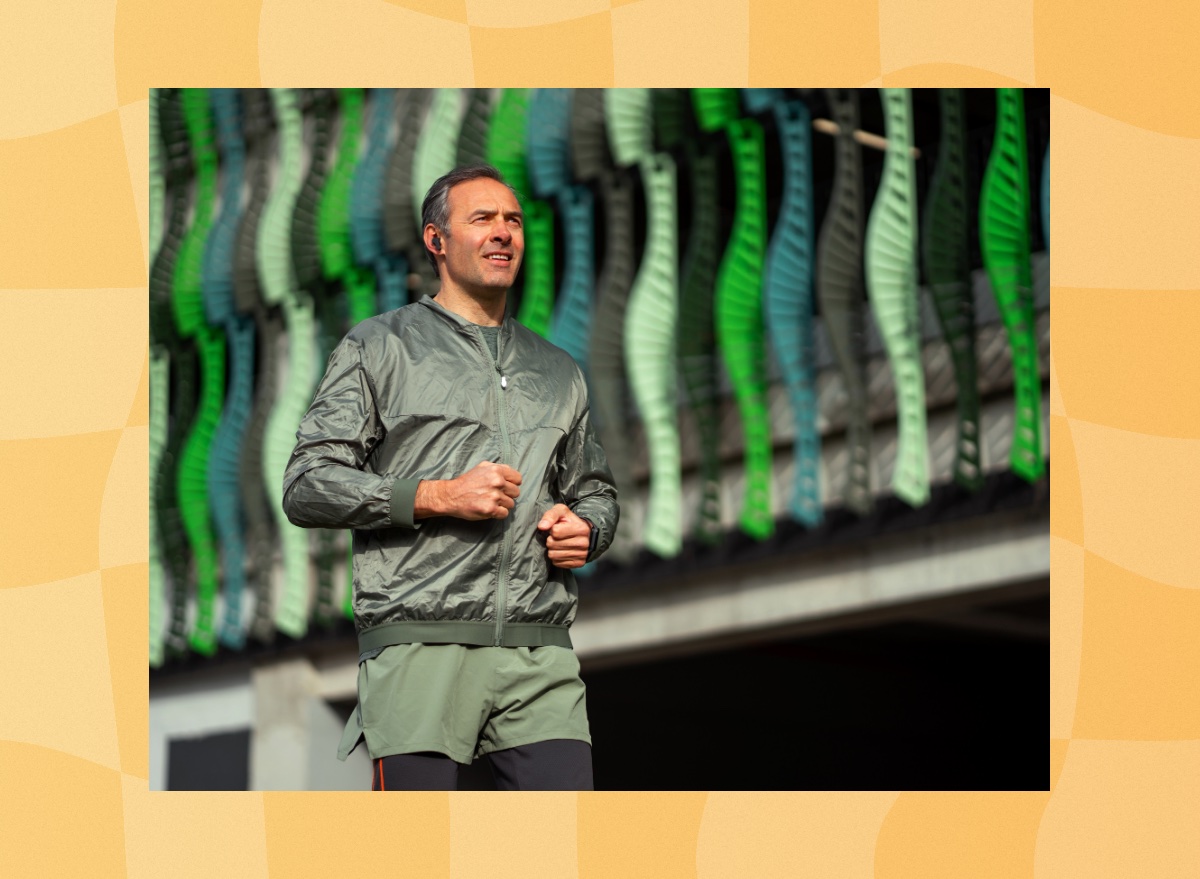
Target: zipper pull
point(503, 381)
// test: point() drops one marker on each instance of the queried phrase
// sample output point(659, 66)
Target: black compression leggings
point(556, 764)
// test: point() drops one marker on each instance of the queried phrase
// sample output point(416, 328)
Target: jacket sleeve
point(586, 484)
point(325, 485)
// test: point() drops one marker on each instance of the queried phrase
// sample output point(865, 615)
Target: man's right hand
point(486, 491)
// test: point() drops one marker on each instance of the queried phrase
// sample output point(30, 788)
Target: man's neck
point(488, 312)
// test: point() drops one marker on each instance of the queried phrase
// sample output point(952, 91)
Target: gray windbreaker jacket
point(414, 394)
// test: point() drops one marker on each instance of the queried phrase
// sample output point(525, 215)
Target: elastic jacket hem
point(478, 634)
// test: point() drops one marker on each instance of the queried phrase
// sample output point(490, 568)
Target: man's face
point(486, 236)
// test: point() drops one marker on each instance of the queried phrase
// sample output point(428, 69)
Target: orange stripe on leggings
point(381, 785)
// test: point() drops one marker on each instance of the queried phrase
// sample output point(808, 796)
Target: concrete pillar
point(296, 733)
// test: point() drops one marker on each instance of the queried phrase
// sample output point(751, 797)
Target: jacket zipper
point(505, 455)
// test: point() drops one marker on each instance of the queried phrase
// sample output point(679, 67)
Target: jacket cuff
point(404, 497)
point(593, 538)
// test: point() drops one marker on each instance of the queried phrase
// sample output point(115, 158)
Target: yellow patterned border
point(1124, 743)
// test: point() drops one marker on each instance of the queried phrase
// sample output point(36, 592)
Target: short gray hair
point(436, 207)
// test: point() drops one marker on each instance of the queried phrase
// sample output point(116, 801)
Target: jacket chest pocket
point(434, 446)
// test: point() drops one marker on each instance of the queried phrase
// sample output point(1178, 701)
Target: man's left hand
point(567, 537)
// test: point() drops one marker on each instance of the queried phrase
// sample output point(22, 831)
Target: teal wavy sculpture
point(1004, 239)
point(436, 146)
point(650, 321)
point(1046, 197)
point(840, 293)
point(280, 288)
point(606, 352)
point(341, 275)
point(573, 312)
point(548, 161)
point(945, 239)
point(761, 101)
point(366, 212)
point(400, 232)
point(224, 462)
point(473, 133)
point(191, 323)
point(697, 341)
point(739, 321)
point(788, 301)
point(160, 375)
point(248, 293)
point(319, 106)
point(548, 128)
point(178, 361)
point(891, 268)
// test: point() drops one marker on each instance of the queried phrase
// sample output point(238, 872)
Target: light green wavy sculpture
point(191, 323)
point(280, 288)
point(891, 269)
point(739, 321)
point(945, 240)
point(1004, 239)
point(650, 322)
point(437, 145)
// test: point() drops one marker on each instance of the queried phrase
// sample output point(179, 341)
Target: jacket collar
point(461, 322)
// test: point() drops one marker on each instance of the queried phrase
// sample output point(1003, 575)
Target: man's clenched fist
point(567, 537)
point(486, 491)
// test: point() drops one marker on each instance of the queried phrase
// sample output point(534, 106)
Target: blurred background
point(815, 326)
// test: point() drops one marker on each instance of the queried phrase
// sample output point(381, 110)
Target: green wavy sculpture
point(891, 269)
point(537, 299)
point(506, 151)
point(1004, 238)
point(280, 288)
point(191, 323)
point(946, 246)
point(506, 139)
point(697, 345)
point(715, 108)
point(650, 321)
point(739, 321)
point(341, 274)
point(840, 293)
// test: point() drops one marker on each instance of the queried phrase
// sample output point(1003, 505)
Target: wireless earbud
point(437, 242)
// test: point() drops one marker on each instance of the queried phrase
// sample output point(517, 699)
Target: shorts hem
point(458, 756)
point(505, 744)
